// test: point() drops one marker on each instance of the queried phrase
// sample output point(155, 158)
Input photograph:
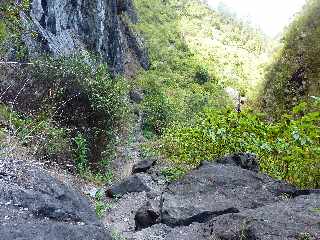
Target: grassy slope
point(232, 50)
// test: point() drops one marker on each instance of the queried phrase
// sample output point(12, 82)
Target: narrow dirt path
point(130, 153)
point(119, 219)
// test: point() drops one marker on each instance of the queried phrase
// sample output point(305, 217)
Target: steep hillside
point(195, 53)
point(61, 99)
point(295, 72)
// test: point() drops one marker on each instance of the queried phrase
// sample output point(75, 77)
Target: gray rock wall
point(66, 27)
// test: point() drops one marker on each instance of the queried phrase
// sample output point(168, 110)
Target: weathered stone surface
point(290, 219)
point(66, 27)
point(244, 160)
point(143, 166)
point(147, 215)
point(134, 183)
point(193, 231)
point(226, 202)
point(217, 189)
point(120, 218)
point(155, 232)
point(34, 205)
point(277, 217)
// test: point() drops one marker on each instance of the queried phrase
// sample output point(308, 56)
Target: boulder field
point(224, 200)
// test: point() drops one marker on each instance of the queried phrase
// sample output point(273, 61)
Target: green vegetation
point(40, 134)
point(173, 173)
point(81, 154)
point(81, 157)
point(304, 236)
point(196, 53)
point(107, 96)
point(115, 235)
point(288, 149)
point(82, 107)
point(11, 28)
point(107, 99)
point(294, 74)
point(3, 31)
point(100, 206)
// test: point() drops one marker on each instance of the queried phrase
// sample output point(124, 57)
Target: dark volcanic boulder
point(217, 189)
point(134, 183)
point(147, 215)
point(244, 160)
point(291, 219)
point(35, 206)
point(143, 166)
point(227, 201)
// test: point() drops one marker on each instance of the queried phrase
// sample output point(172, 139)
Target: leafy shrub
point(202, 75)
point(108, 96)
point(57, 140)
point(100, 206)
point(105, 99)
point(11, 27)
point(173, 173)
point(157, 111)
point(81, 95)
point(287, 150)
point(3, 32)
point(81, 154)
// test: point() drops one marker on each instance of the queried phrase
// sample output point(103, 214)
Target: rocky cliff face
point(66, 27)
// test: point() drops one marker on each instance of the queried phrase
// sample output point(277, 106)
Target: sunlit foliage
point(195, 53)
point(287, 150)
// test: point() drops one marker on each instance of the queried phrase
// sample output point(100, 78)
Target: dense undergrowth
point(11, 28)
point(288, 149)
point(40, 134)
point(77, 111)
point(195, 54)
